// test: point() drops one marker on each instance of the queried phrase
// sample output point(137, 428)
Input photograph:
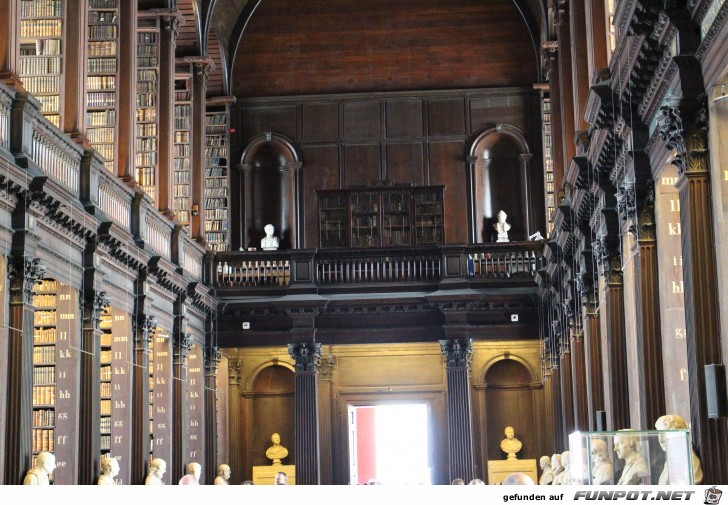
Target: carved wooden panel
point(447, 168)
point(362, 164)
point(446, 116)
point(279, 119)
point(320, 122)
point(404, 118)
point(488, 111)
point(405, 163)
point(362, 120)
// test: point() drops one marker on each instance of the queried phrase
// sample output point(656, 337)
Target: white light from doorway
point(401, 444)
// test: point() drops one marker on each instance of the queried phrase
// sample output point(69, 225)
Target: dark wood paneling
point(488, 111)
point(291, 47)
point(320, 122)
point(405, 163)
point(362, 164)
point(447, 167)
point(280, 119)
point(404, 118)
point(320, 171)
point(362, 120)
point(446, 117)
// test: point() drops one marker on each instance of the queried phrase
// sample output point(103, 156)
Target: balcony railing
point(515, 261)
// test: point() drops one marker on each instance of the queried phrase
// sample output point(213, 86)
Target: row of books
point(101, 17)
point(106, 338)
point(44, 417)
point(103, 118)
point(44, 375)
point(106, 373)
point(183, 216)
point(43, 440)
point(100, 135)
point(182, 150)
point(182, 174)
point(216, 152)
point(102, 4)
point(106, 357)
point(147, 38)
point(44, 300)
point(105, 407)
point(101, 65)
point(146, 116)
point(104, 31)
point(215, 202)
point(218, 213)
point(105, 442)
point(45, 355)
point(146, 61)
point(181, 190)
point(182, 96)
point(44, 317)
point(105, 422)
point(216, 129)
point(101, 82)
point(182, 123)
point(181, 137)
point(106, 151)
point(216, 225)
point(147, 130)
point(146, 100)
point(33, 28)
point(45, 9)
point(101, 99)
point(216, 182)
point(217, 241)
point(148, 77)
point(145, 144)
point(216, 192)
point(44, 395)
point(45, 287)
point(44, 335)
point(182, 110)
point(215, 172)
point(105, 323)
point(216, 140)
point(146, 159)
point(40, 66)
point(217, 118)
point(49, 103)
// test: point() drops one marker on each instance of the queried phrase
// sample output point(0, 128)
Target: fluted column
point(212, 358)
point(580, 75)
point(566, 85)
point(306, 356)
point(618, 416)
point(235, 422)
point(23, 272)
point(579, 382)
point(74, 73)
point(89, 440)
point(593, 358)
point(567, 395)
point(127, 95)
point(551, 53)
point(180, 422)
point(649, 335)
point(683, 126)
point(325, 382)
point(558, 433)
point(457, 354)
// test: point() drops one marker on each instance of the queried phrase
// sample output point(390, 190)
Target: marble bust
point(602, 470)
point(269, 242)
point(510, 445)
point(547, 475)
point(194, 471)
point(557, 469)
point(675, 422)
point(109, 470)
point(40, 475)
point(223, 475)
point(276, 452)
point(635, 466)
point(156, 470)
point(501, 227)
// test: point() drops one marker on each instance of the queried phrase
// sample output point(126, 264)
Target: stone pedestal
point(264, 475)
point(499, 470)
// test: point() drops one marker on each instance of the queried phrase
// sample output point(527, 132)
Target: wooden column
point(306, 356)
point(547, 444)
point(580, 75)
point(236, 422)
point(9, 16)
point(593, 358)
point(73, 110)
point(579, 382)
point(567, 398)
point(200, 71)
point(683, 126)
point(89, 437)
point(181, 344)
point(23, 272)
point(649, 335)
point(170, 19)
point(127, 95)
point(558, 432)
point(596, 36)
point(618, 417)
point(457, 354)
point(212, 358)
point(566, 85)
point(552, 53)
point(143, 333)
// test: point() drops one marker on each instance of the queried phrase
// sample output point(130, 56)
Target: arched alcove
point(500, 179)
point(272, 411)
point(270, 166)
point(509, 401)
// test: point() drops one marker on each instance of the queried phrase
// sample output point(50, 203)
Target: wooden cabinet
point(381, 217)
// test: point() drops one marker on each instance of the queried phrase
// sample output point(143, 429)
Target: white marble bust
point(269, 242)
point(502, 227)
point(602, 470)
point(109, 470)
point(223, 475)
point(675, 422)
point(510, 445)
point(547, 475)
point(557, 469)
point(156, 470)
point(635, 466)
point(40, 475)
point(192, 478)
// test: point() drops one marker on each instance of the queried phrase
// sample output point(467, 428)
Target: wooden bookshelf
point(152, 348)
point(41, 49)
point(216, 194)
point(381, 217)
point(107, 339)
point(182, 150)
point(45, 318)
point(147, 122)
point(548, 166)
point(102, 77)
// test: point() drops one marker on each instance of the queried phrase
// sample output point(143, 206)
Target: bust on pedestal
point(156, 470)
point(499, 470)
point(502, 227)
point(109, 470)
point(269, 242)
point(223, 475)
point(276, 453)
point(510, 445)
point(40, 475)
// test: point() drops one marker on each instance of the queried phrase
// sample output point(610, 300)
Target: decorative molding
point(670, 126)
point(458, 352)
point(95, 307)
point(22, 282)
point(306, 356)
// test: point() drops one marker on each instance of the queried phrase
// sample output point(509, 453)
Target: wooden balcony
point(425, 268)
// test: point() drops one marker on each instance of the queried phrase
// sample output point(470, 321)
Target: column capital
point(94, 306)
point(307, 356)
point(182, 346)
point(201, 66)
point(171, 19)
point(683, 126)
point(23, 276)
point(458, 352)
point(145, 334)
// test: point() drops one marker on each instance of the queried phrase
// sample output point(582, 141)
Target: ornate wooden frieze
point(23, 277)
point(171, 19)
point(689, 141)
point(306, 356)
point(626, 206)
point(457, 352)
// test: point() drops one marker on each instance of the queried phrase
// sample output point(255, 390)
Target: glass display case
point(631, 457)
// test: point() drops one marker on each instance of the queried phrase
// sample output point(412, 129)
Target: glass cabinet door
point(332, 220)
point(428, 217)
point(364, 218)
point(396, 225)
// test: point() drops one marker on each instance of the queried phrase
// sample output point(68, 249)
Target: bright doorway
point(389, 444)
